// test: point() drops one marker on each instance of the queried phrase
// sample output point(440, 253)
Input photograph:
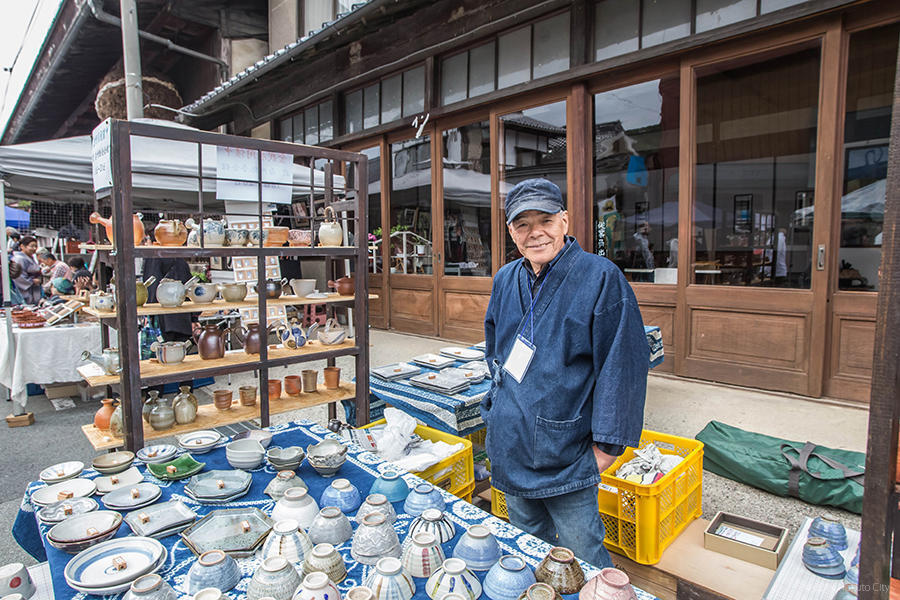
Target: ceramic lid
point(85, 526)
point(115, 561)
point(59, 511)
point(62, 471)
point(51, 494)
point(131, 496)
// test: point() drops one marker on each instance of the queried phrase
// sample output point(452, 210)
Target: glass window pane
point(533, 144)
point(551, 45)
point(391, 89)
point(616, 28)
point(312, 125)
point(756, 158)
point(372, 104)
point(481, 69)
point(514, 58)
point(413, 91)
point(285, 134)
point(665, 20)
point(867, 130)
point(373, 208)
point(716, 13)
point(353, 112)
point(298, 128)
point(768, 6)
point(326, 128)
point(411, 250)
point(467, 200)
point(636, 179)
point(454, 77)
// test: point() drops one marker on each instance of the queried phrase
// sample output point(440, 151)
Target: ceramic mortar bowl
point(330, 526)
point(326, 457)
point(609, 584)
point(113, 462)
point(85, 530)
point(560, 569)
point(213, 569)
point(827, 526)
point(326, 559)
point(508, 578)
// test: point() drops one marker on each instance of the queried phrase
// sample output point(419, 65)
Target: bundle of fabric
point(648, 465)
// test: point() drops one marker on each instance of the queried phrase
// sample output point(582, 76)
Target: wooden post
point(879, 501)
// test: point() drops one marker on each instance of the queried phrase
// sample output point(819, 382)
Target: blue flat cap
point(533, 194)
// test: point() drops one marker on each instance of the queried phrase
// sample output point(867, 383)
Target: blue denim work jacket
point(586, 382)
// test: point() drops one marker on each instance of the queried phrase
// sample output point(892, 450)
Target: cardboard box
point(61, 390)
point(745, 539)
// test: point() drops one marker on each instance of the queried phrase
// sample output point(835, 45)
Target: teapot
point(252, 336)
point(102, 301)
point(213, 233)
point(293, 336)
point(273, 288)
point(108, 360)
point(233, 292)
point(140, 290)
point(343, 286)
point(170, 352)
point(211, 341)
point(170, 292)
point(202, 293)
point(136, 226)
point(170, 233)
point(330, 231)
point(333, 333)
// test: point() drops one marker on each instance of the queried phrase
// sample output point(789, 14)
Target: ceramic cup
point(823, 560)
point(423, 555)
point(560, 569)
point(222, 399)
point(213, 569)
point(508, 578)
point(330, 526)
point(275, 577)
point(310, 377)
point(478, 548)
point(391, 580)
point(14, 579)
point(332, 378)
point(293, 385)
point(274, 389)
point(248, 395)
point(326, 559)
point(316, 586)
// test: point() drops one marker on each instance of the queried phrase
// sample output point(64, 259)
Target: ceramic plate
point(479, 366)
point(222, 530)
point(159, 518)
point(123, 498)
point(185, 466)
point(435, 361)
point(56, 512)
point(85, 526)
point(469, 375)
point(200, 442)
point(93, 568)
point(109, 483)
point(49, 495)
point(207, 485)
point(157, 453)
point(222, 500)
point(440, 382)
point(122, 587)
point(396, 371)
point(462, 353)
point(62, 471)
point(482, 345)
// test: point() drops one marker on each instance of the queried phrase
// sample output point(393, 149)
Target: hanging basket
point(157, 89)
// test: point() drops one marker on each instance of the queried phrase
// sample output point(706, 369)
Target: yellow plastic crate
point(642, 520)
point(478, 437)
point(456, 474)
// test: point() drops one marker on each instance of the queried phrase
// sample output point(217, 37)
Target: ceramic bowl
point(282, 482)
point(453, 576)
point(560, 569)
point(248, 464)
point(374, 538)
point(391, 580)
point(436, 522)
point(297, 504)
point(113, 462)
point(62, 510)
point(540, 591)
point(827, 526)
point(285, 458)
point(275, 578)
point(422, 555)
point(343, 494)
point(150, 587)
point(244, 449)
point(85, 530)
point(391, 485)
point(609, 584)
point(326, 457)
point(823, 560)
point(508, 578)
point(317, 586)
point(213, 569)
point(852, 576)
point(260, 435)
point(157, 453)
point(377, 503)
point(288, 540)
point(478, 548)
point(423, 496)
point(330, 526)
point(200, 442)
point(325, 558)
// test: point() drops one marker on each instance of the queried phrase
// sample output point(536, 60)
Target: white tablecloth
point(44, 355)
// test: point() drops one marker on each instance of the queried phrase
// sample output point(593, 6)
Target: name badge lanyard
point(523, 348)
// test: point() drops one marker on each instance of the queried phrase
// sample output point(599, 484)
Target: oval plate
point(56, 512)
point(79, 487)
point(200, 441)
point(62, 471)
point(93, 568)
point(205, 485)
point(160, 453)
point(121, 499)
point(76, 529)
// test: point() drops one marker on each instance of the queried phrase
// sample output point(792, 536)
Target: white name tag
point(519, 358)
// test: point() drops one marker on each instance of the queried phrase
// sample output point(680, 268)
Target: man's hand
point(603, 459)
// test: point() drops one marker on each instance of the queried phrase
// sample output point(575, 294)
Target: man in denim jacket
point(569, 359)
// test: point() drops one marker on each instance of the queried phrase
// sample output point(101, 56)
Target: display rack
point(122, 201)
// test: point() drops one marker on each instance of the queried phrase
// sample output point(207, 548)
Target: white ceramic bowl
point(262, 436)
point(244, 463)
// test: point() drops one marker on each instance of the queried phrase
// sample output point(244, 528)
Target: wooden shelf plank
point(208, 417)
point(153, 308)
point(101, 247)
point(192, 363)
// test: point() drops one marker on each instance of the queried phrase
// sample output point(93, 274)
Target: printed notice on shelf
point(101, 157)
point(740, 536)
point(237, 170)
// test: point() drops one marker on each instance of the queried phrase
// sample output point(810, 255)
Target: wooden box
point(745, 539)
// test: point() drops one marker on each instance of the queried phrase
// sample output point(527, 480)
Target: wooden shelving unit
point(307, 184)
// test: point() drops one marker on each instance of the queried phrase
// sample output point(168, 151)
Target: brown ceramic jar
point(101, 417)
point(343, 286)
point(210, 342)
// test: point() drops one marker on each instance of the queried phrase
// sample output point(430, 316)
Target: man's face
point(30, 249)
point(539, 236)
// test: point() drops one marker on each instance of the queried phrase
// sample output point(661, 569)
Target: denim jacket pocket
point(558, 444)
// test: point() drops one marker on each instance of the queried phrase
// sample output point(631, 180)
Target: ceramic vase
point(185, 406)
point(391, 485)
point(326, 559)
point(101, 417)
point(288, 541)
point(827, 526)
point(374, 538)
point(330, 526)
point(508, 578)
point(275, 578)
point(390, 581)
point(478, 548)
point(423, 555)
point(343, 494)
point(823, 560)
point(560, 570)
point(436, 522)
point(116, 425)
point(453, 576)
point(150, 587)
point(296, 504)
point(317, 586)
point(609, 584)
point(282, 482)
point(149, 403)
point(163, 415)
point(423, 496)
point(377, 503)
point(540, 591)
point(213, 569)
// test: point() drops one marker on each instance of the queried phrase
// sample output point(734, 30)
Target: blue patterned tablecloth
point(458, 414)
point(361, 469)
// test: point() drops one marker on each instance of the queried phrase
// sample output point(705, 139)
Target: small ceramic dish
point(83, 531)
point(132, 497)
point(157, 453)
point(113, 462)
point(60, 511)
point(260, 435)
point(62, 471)
point(200, 442)
point(110, 483)
point(70, 488)
point(160, 519)
point(182, 467)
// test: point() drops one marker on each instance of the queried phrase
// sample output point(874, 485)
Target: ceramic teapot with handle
point(171, 292)
point(293, 336)
point(170, 352)
point(213, 233)
point(330, 231)
point(253, 336)
point(333, 333)
point(136, 225)
point(140, 289)
point(343, 286)
point(170, 233)
point(211, 341)
point(273, 288)
point(202, 293)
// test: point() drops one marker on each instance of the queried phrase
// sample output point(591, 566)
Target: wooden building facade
point(729, 156)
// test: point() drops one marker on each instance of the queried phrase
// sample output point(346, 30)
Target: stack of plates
point(218, 487)
point(132, 497)
point(200, 442)
point(479, 366)
point(157, 453)
point(113, 462)
point(62, 471)
point(395, 371)
point(111, 567)
point(160, 520)
point(60, 511)
point(85, 530)
point(435, 361)
point(469, 375)
point(70, 488)
point(440, 382)
point(462, 353)
point(482, 345)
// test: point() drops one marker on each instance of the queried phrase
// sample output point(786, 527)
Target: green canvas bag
point(812, 473)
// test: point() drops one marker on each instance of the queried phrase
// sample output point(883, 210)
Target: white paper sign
point(101, 156)
point(241, 164)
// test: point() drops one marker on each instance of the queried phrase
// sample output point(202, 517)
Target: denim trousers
point(571, 520)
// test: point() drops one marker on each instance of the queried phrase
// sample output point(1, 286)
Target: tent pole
point(131, 52)
point(18, 409)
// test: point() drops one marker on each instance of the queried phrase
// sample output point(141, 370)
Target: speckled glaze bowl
point(560, 569)
point(423, 496)
point(213, 569)
point(827, 526)
point(326, 457)
point(330, 526)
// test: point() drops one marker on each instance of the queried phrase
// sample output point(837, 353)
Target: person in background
point(14, 238)
point(29, 281)
point(81, 277)
point(53, 268)
point(15, 296)
point(57, 287)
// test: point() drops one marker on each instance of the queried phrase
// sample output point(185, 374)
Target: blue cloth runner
point(361, 469)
